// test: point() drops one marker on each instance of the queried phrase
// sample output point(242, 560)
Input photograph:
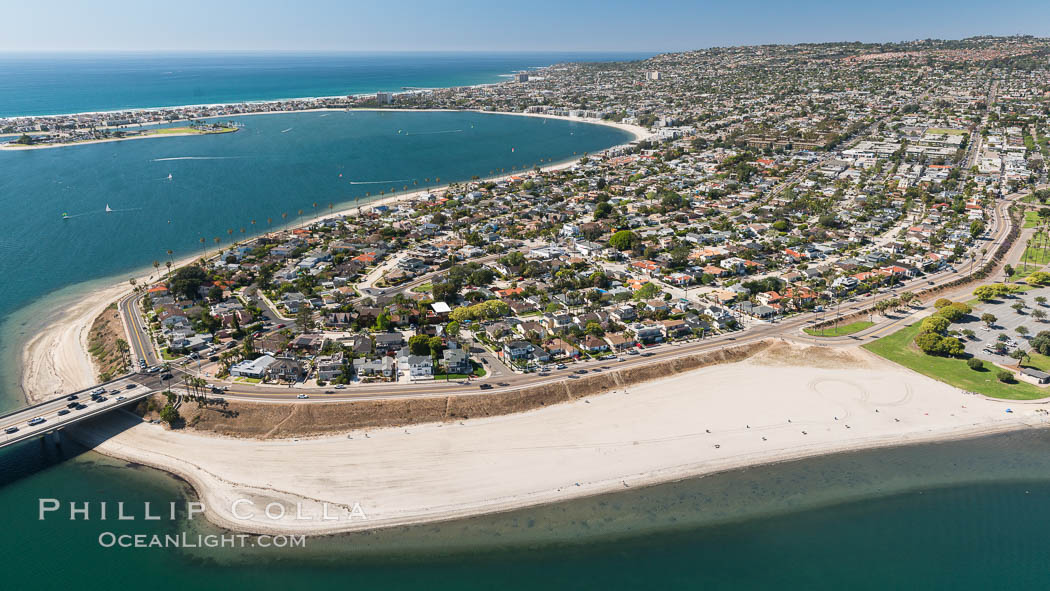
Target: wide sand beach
point(787, 402)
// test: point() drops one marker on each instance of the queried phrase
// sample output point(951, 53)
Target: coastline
point(18, 147)
point(653, 433)
point(55, 360)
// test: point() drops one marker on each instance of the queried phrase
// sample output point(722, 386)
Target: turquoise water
point(960, 515)
point(277, 164)
point(52, 83)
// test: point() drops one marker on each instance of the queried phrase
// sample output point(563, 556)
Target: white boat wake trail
point(195, 158)
point(434, 132)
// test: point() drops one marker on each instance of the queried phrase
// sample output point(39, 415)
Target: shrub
point(954, 312)
point(941, 303)
point(1005, 376)
point(934, 324)
point(975, 364)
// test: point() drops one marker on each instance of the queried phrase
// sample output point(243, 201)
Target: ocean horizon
point(56, 83)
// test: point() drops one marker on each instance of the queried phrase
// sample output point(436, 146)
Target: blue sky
point(474, 25)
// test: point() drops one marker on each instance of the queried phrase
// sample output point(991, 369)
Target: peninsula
point(775, 267)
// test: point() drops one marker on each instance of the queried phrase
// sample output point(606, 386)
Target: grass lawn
point(840, 331)
point(1031, 219)
point(168, 356)
point(898, 348)
point(1022, 271)
point(1037, 361)
point(422, 288)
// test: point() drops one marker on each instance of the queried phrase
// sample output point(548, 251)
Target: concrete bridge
point(52, 415)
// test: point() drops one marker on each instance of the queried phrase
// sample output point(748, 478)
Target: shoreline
point(443, 471)
point(57, 357)
point(10, 146)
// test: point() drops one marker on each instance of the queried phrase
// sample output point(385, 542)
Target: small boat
point(169, 176)
point(65, 215)
point(108, 209)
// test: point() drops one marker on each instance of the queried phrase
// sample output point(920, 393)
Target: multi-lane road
point(45, 417)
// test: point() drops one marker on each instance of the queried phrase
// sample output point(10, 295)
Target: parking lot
point(1007, 321)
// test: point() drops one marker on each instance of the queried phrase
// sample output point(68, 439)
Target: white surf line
point(379, 182)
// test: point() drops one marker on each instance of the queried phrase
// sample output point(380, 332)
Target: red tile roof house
point(679, 278)
point(716, 271)
point(648, 267)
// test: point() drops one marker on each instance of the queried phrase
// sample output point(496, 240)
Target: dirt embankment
point(107, 346)
point(270, 421)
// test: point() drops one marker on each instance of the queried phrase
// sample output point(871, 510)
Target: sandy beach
point(784, 403)
point(55, 360)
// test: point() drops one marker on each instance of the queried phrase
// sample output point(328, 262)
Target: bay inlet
point(171, 193)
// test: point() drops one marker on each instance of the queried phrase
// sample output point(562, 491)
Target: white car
point(302, 396)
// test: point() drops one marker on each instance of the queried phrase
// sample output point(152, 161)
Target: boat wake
point(194, 158)
point(435, 132)
point(379, 182)
point(287, 130)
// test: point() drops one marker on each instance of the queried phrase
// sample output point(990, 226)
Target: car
point(340, 386)
point(561, 366)
point(63, 412)
point(99, 390)
point(329, 391)
point(119, 398)
point(302, 396)
point(72, 405)
point(280, 326)
point(81, 406)
point(621, 359)
point(131, 386)
point(632, 352)
point(101, 399)
point(545, 373)
point(648, 354)
point(71, 397)
point(153, 369)
point(36, 421)
point(485, 361)
point(581, 371)
point(485, 386)
point(10, 430)
point(213, 358)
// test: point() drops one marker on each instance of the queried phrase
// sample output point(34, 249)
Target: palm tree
point(168, 265)
point(204, 245)
point(124, 349)
point(171, 252)
point(156, 265)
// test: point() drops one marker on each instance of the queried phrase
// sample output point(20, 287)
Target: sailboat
point(108, 209)
point(169, 176)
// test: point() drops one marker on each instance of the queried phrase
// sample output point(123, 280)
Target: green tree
point(624, 240)
point(419, 344)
